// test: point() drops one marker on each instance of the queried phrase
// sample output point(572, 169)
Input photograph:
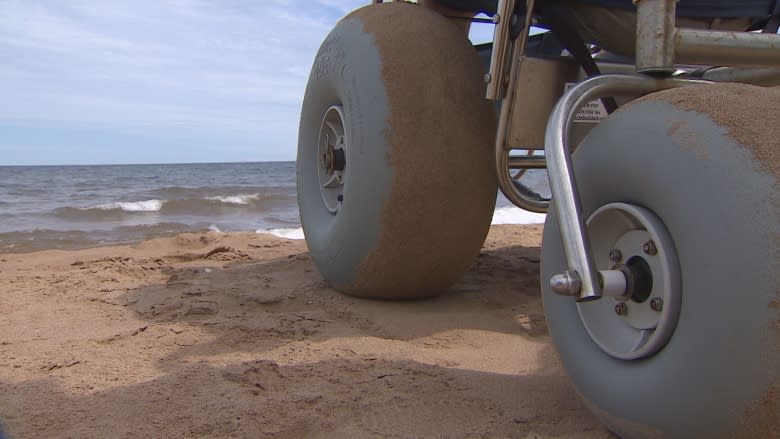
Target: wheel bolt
point(621, 309)
point(657, 304)
point(650, 248)
point(615, 255)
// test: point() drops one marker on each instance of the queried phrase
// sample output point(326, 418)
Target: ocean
point(72, 207)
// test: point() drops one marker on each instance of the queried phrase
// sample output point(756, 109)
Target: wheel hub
point(640, 322)
point(333, 159)
point(331, 148)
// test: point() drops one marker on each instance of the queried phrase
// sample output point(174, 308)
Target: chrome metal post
point(655, 34)
point(581, 278)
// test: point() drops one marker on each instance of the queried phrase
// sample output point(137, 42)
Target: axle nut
point(567, 283)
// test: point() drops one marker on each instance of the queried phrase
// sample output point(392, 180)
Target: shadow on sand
point(276, 361)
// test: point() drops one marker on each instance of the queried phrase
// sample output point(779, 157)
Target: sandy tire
point(703, 160)
point(399, 203)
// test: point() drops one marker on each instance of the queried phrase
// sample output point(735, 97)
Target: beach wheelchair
point(657, 123)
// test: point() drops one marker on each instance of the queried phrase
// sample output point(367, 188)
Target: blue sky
point(139, 81)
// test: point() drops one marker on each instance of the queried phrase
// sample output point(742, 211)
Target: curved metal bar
point(581, 279)
point(505, 182)
point(527, 199)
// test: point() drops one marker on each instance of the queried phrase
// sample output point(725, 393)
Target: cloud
point(230, 69)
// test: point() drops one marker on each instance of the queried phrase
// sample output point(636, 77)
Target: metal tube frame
point(660, 45)
point(581, 279)
point(503, 161)
point(501, 46)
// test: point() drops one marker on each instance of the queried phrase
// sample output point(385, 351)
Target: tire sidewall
point(347, 72)
point(715, 204)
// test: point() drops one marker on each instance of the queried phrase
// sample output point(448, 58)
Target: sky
point(156, 81)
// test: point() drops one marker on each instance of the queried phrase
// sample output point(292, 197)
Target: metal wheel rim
point(332, 141)
point(622, 327)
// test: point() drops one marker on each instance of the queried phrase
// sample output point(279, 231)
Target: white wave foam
point(284, 233)
point(134, 206)
point(515, 215)
point(214, 228)
point(241, 199)
point(502, 215)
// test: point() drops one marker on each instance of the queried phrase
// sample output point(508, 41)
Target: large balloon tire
point(417, 190)
point(703, 159)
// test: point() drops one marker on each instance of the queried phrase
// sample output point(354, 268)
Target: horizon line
point(146, 164)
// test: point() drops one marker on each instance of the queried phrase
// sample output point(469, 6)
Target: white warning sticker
point(594, 111)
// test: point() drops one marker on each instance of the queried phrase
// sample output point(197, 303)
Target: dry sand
point(236, 335)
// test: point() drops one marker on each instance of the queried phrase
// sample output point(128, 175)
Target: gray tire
point(397, 89)
point(704, 162)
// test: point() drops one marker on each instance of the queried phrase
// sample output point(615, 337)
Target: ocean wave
point(515, 215)
point(255, 204)
point(240, 199)
point(182, 192)
point(132, 206)
point(290, 233)
point(107, 211)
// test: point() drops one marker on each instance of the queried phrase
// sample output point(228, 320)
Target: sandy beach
point(236, 335)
